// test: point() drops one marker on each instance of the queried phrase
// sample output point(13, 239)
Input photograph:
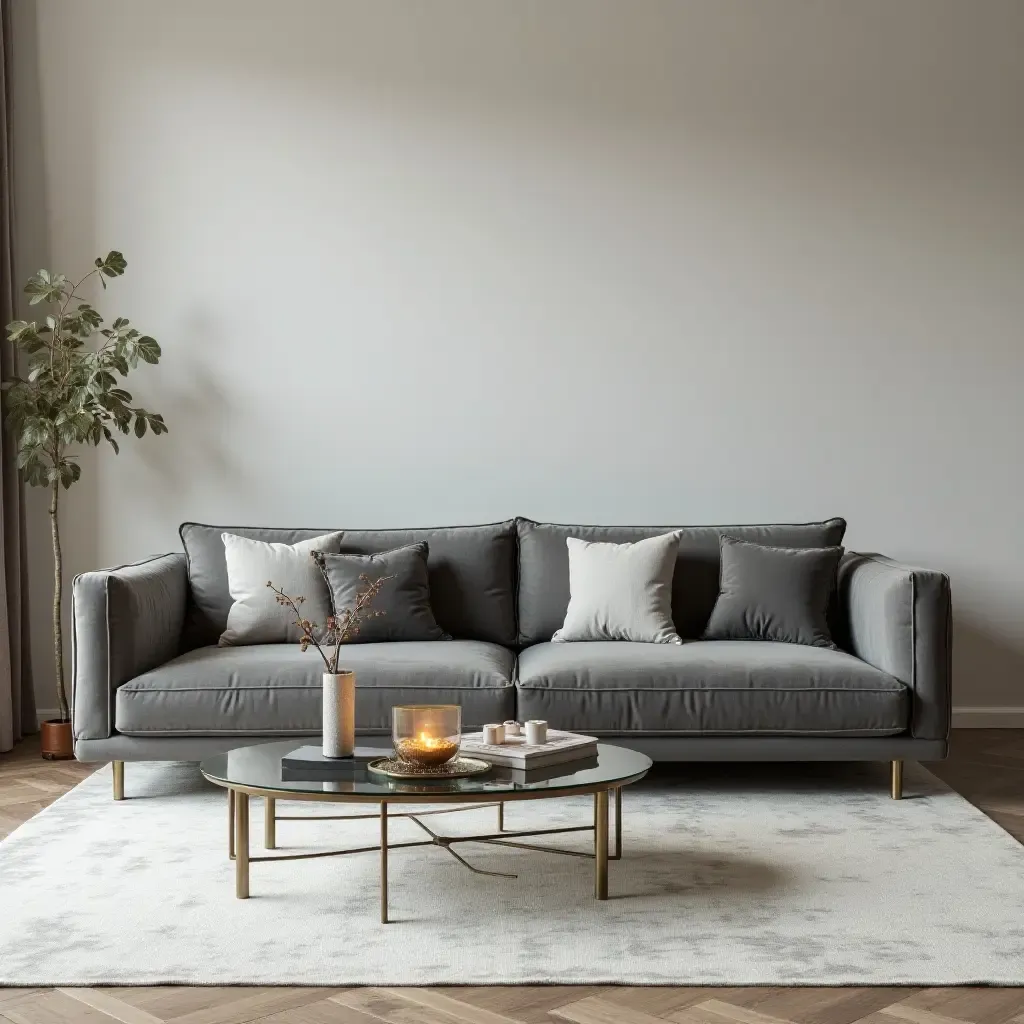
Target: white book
point(515, 752)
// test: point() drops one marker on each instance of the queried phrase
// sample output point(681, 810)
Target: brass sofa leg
point(897, 780)
point(118, 780)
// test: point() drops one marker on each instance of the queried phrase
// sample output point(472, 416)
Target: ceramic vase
point(339, 714)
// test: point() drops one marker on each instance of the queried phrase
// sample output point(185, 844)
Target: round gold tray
point(456, 768)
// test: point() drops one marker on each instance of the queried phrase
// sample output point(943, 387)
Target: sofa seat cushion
point(275, 689)
point(722, 687)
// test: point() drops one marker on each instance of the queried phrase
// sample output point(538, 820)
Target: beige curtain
point(17, 702)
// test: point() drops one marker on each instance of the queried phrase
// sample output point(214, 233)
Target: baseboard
point(988, 718)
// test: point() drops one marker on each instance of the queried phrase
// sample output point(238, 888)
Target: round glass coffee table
point(258, 771)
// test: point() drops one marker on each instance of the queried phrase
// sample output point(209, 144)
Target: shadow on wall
point(196, 409)
point(988, 669)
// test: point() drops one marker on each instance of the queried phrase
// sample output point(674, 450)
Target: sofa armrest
point(127, 620)
point(898, 618)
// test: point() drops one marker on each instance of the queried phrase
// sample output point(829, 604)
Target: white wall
point(666, 262)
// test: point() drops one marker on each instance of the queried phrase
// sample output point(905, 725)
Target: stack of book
point(515, 752)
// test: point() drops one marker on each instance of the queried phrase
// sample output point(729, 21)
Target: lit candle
point(426, 735)
point(426, 749)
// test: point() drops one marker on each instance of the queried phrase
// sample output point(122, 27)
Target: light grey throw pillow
point(255, 616)
point(773, 593)
point(621, 591)
point(404, 600)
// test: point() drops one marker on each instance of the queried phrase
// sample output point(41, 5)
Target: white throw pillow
point(256, 617)
point(621, 591)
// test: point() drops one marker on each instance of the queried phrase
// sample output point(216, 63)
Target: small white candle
point(494, 735)
point(537, 732)
point(512, 728)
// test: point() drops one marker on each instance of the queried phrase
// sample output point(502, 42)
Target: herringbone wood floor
point(987, 767)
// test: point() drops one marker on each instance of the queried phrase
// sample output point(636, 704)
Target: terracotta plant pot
point(57, 742)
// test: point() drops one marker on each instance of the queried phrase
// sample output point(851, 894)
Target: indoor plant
point(339, 707)
point(70, 396)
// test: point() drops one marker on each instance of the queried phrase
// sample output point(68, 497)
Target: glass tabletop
point(259, 767)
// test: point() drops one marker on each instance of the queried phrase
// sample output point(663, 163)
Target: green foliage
point(70, 394)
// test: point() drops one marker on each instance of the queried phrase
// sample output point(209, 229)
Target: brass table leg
point(897, 780)
point(118, 780)
point(501, 816)
point(618, 822)
point(270, 823)
point(242, 846)
point(231, 824)
point(383, 863)
point(601, 845)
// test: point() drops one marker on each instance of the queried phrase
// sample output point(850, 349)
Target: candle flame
point(425, 748)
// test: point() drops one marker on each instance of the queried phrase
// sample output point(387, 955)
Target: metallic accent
point(617, 855)
point(118, 767)
point(897, 780)
point(440, 798)
point(383, 862)
point(231, 824)
point(601, 845)
point(501, 816)
point(456, 768)
point(440, 840)
point(242, 846)
point(445, 842)
point(240, 795)
point(337, 853)
point(494, 841)
point(363, 817)
point(269, 822)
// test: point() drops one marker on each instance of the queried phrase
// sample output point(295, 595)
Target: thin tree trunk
point(58, 575)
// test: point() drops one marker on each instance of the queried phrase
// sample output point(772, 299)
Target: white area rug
point(729, 876)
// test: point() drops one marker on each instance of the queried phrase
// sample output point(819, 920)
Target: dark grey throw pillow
point(770, 593)
point(405, 600)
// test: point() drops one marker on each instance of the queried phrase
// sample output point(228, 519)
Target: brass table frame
point(238, 829)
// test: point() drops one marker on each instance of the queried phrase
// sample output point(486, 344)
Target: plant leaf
point(69, 472)
point(21, 330)
point(44, 287)
point(113, 264)
point(102, 381)
point(89, 315)
point(110, 437)
point(148, 349)
point(36, 472)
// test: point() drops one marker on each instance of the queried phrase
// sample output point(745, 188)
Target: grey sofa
point(151, 684)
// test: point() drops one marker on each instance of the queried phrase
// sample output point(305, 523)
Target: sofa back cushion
point(544, 566)
point(472, 575)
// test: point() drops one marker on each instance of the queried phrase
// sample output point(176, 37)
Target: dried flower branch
point(341, 627)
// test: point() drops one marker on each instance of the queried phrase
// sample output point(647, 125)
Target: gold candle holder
point(427, 735)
